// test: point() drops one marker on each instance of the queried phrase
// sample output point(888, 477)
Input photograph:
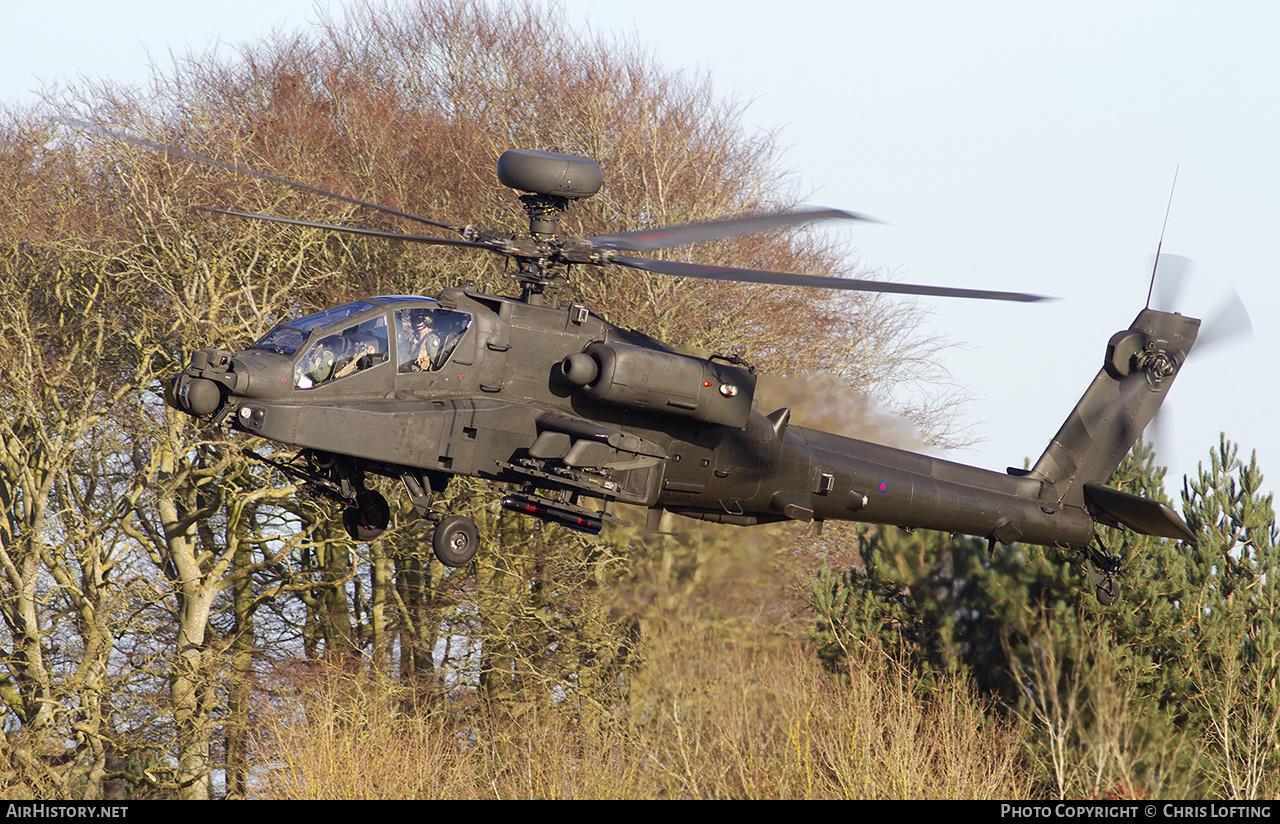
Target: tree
point(1170, 689)
point(146, 569)
point(72, 357)
point(1237, 645)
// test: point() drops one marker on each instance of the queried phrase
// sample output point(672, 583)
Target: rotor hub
point(544, 214)
point(1156, 364)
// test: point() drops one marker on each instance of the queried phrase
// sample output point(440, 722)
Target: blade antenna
point(1163, 226)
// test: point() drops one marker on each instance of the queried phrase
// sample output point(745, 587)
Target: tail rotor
point(1228, 324)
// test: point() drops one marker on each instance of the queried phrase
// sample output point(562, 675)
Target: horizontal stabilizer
point(1142, 515)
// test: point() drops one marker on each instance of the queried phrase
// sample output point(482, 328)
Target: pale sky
point(1007, 145)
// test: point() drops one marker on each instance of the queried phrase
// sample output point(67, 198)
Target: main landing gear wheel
point(366, 519)
point(456, 540)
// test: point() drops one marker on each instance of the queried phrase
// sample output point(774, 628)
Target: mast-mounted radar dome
point(550, 173)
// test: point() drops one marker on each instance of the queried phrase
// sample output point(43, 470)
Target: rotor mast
point(542, 277)
point(549, 181)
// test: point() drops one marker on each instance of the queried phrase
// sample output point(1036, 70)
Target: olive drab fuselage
point(562, 404)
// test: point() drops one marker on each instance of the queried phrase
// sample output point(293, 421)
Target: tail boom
point(773, 472)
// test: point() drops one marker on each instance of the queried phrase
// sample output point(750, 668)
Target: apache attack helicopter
point(542, 394)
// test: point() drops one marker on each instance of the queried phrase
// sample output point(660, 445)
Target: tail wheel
point(368, 517)
point(456, 540)
point(1102, 569)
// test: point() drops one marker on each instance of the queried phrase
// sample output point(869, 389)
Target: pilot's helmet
point(417, 316)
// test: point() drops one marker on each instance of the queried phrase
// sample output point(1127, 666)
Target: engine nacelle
point(662, 382)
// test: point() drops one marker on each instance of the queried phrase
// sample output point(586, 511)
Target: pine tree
point(1237, 642)
point(1172, 687)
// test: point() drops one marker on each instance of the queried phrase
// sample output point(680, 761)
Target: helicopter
point(542, 395)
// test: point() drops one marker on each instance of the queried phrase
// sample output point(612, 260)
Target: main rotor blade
point(354, 230)
point(693, 270)
point(174, 151)
point(651, 240)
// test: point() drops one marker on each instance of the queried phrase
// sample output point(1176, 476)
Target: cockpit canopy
point(354, 337)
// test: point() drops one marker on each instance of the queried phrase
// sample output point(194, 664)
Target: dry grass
point(735, 725)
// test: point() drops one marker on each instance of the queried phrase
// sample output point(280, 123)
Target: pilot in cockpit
point(420, 343)
point(318, 366)
point(335, 357)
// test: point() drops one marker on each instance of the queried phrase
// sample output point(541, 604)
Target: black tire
point(1107, 592)
point(456, 540)
point(368, 517)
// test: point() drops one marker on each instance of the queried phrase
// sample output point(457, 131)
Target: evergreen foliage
point(1171, 690)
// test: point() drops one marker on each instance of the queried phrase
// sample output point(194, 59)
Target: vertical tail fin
point(1140, 365)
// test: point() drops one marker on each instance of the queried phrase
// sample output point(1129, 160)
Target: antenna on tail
point(1163, 226)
